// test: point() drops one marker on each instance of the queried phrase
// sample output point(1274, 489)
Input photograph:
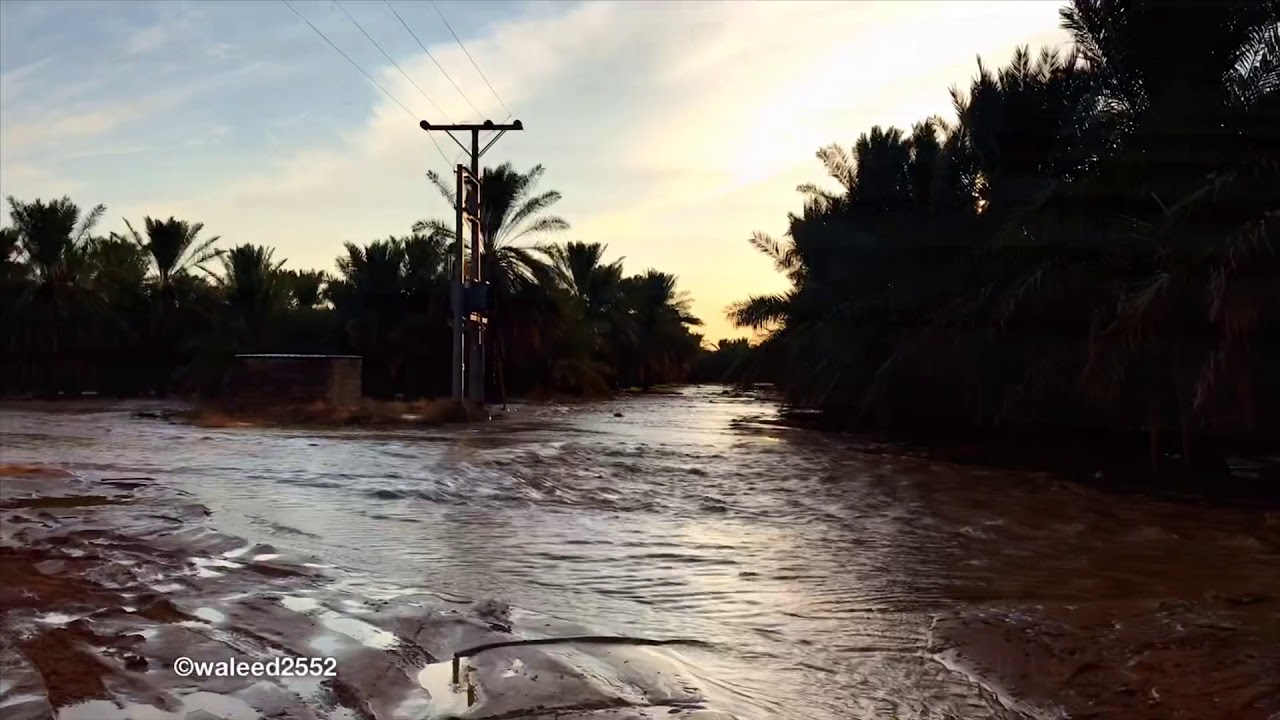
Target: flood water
point(813, 572)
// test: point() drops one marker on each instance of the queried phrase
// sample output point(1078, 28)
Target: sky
point(673, 129)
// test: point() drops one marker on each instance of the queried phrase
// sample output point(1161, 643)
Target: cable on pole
point(433, 59)
point(365, 74)
point(392, 61)
point(473, 60)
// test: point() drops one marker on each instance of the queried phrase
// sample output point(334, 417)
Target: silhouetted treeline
point(1087, 244)
point(161, 309)
point(730, 361)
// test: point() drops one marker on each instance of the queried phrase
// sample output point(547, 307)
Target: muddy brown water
point(814, 576)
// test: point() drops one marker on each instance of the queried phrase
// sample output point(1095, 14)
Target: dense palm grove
point(1087, 243)
point(163, 308)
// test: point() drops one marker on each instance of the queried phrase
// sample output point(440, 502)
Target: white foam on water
point(214, 562)
point(93, 710)
point(326, 644)
point(263, 557)
point(107, 710)
point(8, 700)
point(447, 700)
point(223, 706)
point(368, 635)
point(139, 711)
point(517, 667)
point(416, 705)
point(954, 661)
point(209, 614)
point(168, 587)
point(304, 687)
point(374, 590)
point(237, 552)
point(57, 618)
point(299, 604)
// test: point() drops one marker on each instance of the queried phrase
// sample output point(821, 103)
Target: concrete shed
point(333, 379)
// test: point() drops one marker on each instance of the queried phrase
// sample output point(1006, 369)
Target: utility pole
point(469, 292)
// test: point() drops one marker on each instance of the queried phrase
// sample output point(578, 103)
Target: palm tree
point(1198, 156)
point(306, 288)
point(592, 284)
point(10, 248)
point(590, 320)
point(662, 348)
point(56, 318)
point(254, 290)
point(512, 209)
point(392, 298)
point(115, 266)
point(175, 248)
point(51, 236)
point(1090, 236)
point(367, 295)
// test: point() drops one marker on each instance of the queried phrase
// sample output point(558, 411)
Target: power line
point(393, 62)
point(433, 59)
point(366, 75)
point(473, 61)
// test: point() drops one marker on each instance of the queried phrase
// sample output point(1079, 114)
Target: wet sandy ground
point(108, 581)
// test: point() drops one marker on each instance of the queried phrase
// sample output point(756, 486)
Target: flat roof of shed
point(286, 356)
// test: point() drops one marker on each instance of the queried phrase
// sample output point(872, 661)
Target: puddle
point(446, 701)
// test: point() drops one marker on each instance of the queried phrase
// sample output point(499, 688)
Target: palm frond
point(446, 191)
point(540, 226)
point(90, 220)
point(531, 207)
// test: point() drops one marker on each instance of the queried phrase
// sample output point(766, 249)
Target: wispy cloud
point(670, 151)
point(38, 121)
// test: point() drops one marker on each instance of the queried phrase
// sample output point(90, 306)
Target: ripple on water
point(814, 567)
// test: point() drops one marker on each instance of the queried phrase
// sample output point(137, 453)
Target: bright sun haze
point(674, 130)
